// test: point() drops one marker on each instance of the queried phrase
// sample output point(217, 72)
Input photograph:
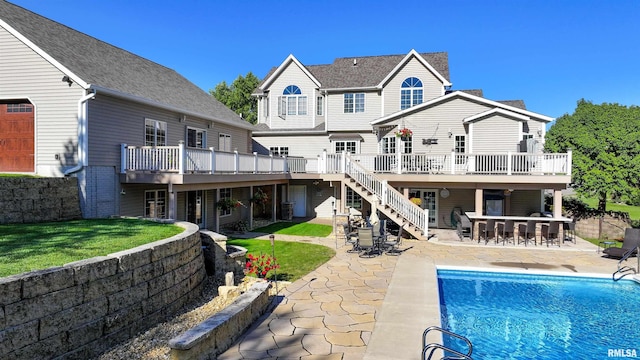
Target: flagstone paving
point(376, 308)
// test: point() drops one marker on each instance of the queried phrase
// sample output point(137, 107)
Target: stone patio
point(377, 308)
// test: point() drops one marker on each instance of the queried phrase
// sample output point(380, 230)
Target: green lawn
point(634, 211)
point(26, 247)
point(295, 259)
point(302, 229)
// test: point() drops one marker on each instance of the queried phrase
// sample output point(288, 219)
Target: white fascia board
point(424, 62)
point(281, 68)
point(496, 111)
point(338, 90)
point(504, 106)
point(468, 97)
point(289, 132)
point(76, 79)
point(240, 124)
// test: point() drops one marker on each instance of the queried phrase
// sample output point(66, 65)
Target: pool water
point(522, 316)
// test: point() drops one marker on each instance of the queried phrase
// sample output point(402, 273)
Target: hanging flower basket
point(404, 134)
point(228, 204)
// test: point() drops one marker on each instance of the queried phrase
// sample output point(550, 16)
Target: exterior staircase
point(386, 199)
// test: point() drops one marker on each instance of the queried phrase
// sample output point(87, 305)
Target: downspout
point(82, 133)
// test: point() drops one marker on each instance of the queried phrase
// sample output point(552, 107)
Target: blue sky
point(548, 53)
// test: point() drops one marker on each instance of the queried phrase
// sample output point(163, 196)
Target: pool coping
point(404, 315)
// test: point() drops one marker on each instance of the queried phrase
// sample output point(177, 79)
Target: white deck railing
point(180, 159)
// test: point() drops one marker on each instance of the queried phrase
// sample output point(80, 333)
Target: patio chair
point(527, 232)
point(463, 226)
point(631, 241)
point(366, 245)
point(392, 242)
point(506, 231)
point(350, 237)
point(569, 231)
point(551, 233)
point(487, 230)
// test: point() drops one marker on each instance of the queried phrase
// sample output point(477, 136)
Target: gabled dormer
point(414, 80)
point(288, 97)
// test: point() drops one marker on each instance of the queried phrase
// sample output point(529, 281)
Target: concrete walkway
point(377, 308)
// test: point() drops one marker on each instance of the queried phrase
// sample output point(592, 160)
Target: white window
point(155, 133)
point(459, 147)
point(353, 102)
point(279, 150)
point(224, 142)
point(319, 105)
point(155, 204)
point(350, 146)
point(388, 145)
point(407, 146)
point(225, 194)
point(19, 108)
point(292, 102)
point(527, 136)
point(196, 138)
point(410, 93)
point(353, 200)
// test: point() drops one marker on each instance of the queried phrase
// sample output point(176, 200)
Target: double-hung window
point(410, 93)
point(292, 102)
point(155, 133)
point(196, 138)
point(353, 103)
point(388, 145)
point(224, 142)
point(354, 200)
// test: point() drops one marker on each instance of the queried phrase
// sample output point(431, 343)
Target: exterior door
point(17, 137)
point(298, 195)
point(428, 200)
point(195, 210)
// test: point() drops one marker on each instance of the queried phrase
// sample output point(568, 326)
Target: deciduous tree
point(605, 140)
point(238, 97)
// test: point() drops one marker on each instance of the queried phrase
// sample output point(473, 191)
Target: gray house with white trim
point(140, 137)
point(462, 152)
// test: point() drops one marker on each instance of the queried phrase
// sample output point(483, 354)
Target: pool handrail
point(626, 270)
point(434, 346)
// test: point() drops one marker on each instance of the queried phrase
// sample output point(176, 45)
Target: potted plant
point(404, 134)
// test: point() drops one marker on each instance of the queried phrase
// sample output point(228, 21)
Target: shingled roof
point(103, 65)
point(368, 71)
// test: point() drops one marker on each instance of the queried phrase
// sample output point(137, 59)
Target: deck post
point(213, 160)
point(181, 156)
point(123, 158)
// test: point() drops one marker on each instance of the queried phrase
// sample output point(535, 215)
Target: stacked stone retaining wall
point(612, 227)
point(31, 200)
point(81, 309)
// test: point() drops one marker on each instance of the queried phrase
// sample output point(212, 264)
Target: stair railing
point(387, 195)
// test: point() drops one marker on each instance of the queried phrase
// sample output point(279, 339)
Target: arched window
point(411, 93)
point(292, 102)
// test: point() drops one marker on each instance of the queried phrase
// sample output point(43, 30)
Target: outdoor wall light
point(67, 79)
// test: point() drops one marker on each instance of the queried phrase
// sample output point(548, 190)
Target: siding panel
point(26, 75)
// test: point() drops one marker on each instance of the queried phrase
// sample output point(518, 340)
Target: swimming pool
point(523, 316)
